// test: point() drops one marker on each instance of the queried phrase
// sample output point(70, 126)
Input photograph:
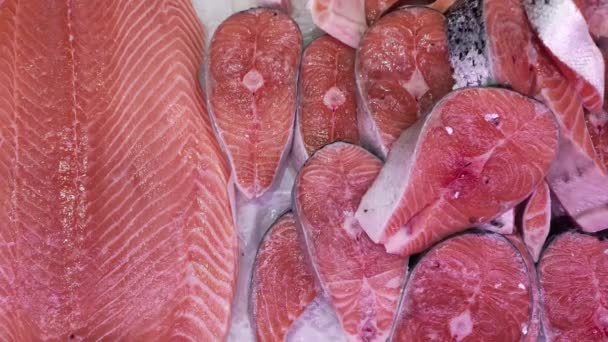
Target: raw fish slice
point(327, 110)
point(480, 152)
point(562, 28)
point(536, 220)
point(577, 177)
point(283, 284)
point(503, 224)
point(573, 273)
point(473, 287)
point(252, 88)
point(116, 222)
point(362, 281)
point(402, 69)
point(490, 43)
point(341, 19)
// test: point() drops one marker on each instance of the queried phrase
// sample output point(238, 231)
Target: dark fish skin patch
point(467, 44)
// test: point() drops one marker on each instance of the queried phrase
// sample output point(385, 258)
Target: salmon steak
point(402, 69)
point(251, 83)
point(115, 216)
point(576, 309)
point(283, 284)
point(363, 282)
point(449, 172)
point(327, 109)
point(472, 287)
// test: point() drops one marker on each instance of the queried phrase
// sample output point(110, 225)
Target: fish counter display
point(303, 170)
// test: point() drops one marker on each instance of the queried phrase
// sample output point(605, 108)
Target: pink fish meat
point(115, 219)
point(472, 287)
point(252, 85)
point(402, 70)
point(362, 281)
point(456, 169)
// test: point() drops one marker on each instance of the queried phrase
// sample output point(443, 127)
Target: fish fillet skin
point(472, 287)
point(283, 283)
point(536, 220)
point(362, 281)
point(341, 19)
point(574, 310)
point(117, 222)
point(489, 44)
point(251, 83)
point(402, 70)
point(327, 108)
point(464, 165)
point(577, 177)
point(562, 28)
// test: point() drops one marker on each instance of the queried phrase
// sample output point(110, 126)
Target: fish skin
point(113, 201)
